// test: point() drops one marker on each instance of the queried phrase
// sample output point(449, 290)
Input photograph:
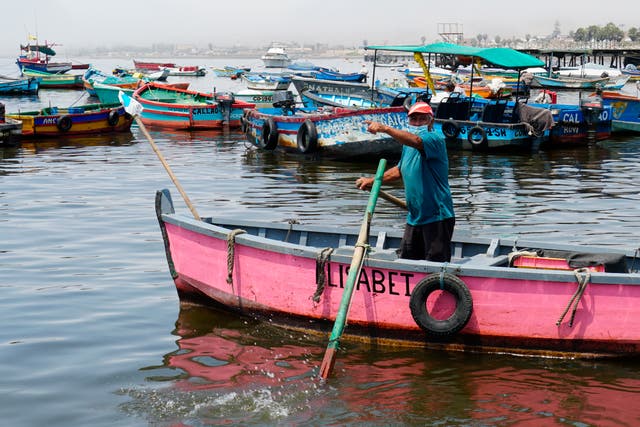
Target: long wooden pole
point(167, 168)
point(354, 273)
point(393, 199)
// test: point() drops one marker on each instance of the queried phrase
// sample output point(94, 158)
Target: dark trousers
point(431, 242)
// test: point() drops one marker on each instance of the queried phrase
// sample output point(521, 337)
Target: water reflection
point(231, 370)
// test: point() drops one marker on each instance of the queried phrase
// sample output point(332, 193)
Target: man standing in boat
point(424, 169)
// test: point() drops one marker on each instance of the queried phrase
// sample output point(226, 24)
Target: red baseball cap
point(421, 108)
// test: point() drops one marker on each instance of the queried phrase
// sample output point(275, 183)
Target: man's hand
point(375, 127)
point(364, 183)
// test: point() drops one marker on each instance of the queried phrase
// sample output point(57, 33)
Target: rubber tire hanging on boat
point(450, 129)
point(477, 137)
point(269, 138)
point(307, 137)
point(408, 102)
point(460, 317)
point(113, 118)
point(64, 123)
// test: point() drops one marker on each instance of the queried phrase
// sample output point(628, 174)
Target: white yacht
point(276, 57)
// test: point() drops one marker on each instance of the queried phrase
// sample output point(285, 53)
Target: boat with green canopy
point(471, 123)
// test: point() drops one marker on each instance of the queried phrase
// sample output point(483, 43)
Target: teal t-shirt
point(426, 180)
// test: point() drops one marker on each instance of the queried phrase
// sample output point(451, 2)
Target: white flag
point(131, 106)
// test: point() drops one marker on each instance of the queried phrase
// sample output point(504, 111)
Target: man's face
point(419, 119)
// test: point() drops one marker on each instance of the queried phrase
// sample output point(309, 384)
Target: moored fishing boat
point(260, 98)
point(37, 57)
point(108, 94)
point(93, 76)
point(496, 295)
point(19, 86)
point(475, 123)
point(70, 121)
point(325, 74)
point(187, 71)
point(568, 82)
point(331, 132)
point(625, 111)
point(152, 66)
point(56, 81)
point(266, 81)
point(10, 129)
point(166, 106)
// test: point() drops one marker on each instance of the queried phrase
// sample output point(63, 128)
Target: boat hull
point(10, 131)
point(513, 309)
point(625, 110)
point(72, 121)
point(341, 132)
point(20, 86)
point(181, 109)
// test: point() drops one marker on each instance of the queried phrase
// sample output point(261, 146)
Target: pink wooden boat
point(495, 295)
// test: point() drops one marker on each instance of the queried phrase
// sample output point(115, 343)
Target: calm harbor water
point(94, 334)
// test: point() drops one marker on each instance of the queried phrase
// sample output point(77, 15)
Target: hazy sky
point(258, 22)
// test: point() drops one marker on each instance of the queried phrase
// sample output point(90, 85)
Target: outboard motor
point(591, 110)
point(1, 112)
point(284, 99)
point(225, 101)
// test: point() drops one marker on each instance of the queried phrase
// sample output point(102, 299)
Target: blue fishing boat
point(267, 81)
point(625, 111)
point(587, 122)
point(339, 133)
point(382, 96)
point(324, 74)
point(19, 86)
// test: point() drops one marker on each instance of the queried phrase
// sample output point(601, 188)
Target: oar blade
point(328, 361)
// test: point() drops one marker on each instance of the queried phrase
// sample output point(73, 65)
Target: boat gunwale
point(416, 266)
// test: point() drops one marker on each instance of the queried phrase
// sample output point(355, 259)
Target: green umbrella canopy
point(499, 56)
point(39, 48)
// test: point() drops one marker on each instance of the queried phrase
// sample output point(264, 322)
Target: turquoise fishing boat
point(182, 109)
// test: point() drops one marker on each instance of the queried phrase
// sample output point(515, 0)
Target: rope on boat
point(442, 273)
point(633, 264)
point(583, 275)
point(231, 242)
point(321, 278)
point(291, 222)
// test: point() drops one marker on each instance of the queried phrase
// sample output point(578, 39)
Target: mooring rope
point(291, 222)
point(321, 277)
point(231, 242)
point(583, 275)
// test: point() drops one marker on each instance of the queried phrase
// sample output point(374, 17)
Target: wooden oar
point(134, 108)
point(393, 199)
point(354, 273)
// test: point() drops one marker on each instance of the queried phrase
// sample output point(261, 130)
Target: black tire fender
point(269, 138)
point(307, 137)
point(450, 129)
point(477, 137)
point(460, 317)
point(408, 102)
point(113, 118)
point(64, 123)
